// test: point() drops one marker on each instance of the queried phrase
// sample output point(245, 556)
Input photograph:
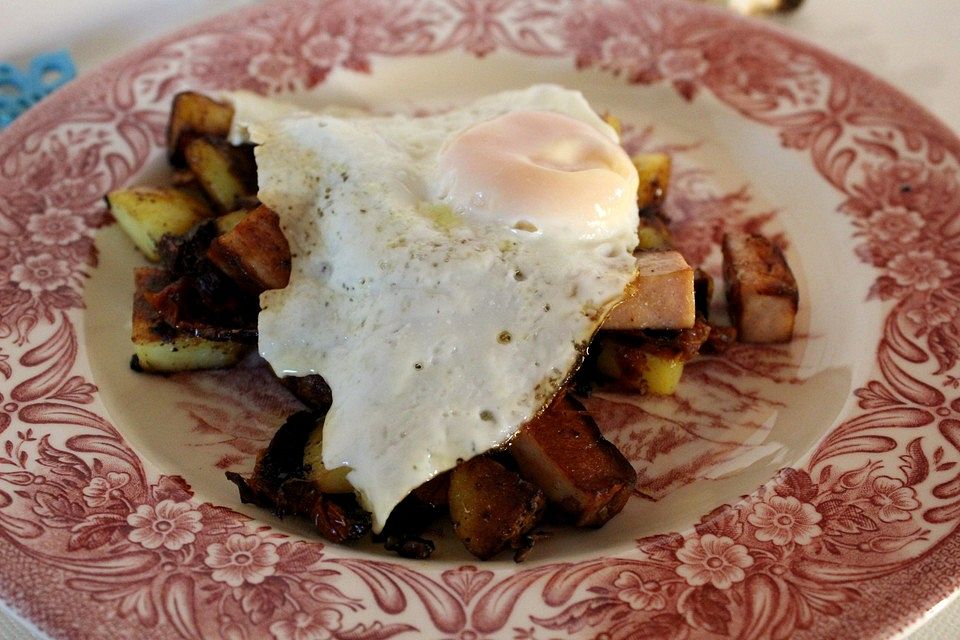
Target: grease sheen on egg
point(447, 271)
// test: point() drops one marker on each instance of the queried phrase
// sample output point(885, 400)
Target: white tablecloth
point(914, 44)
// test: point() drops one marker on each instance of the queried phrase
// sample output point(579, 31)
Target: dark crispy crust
point(491, 507)
point(198, 299)
point(279, 482)
point(584, 476)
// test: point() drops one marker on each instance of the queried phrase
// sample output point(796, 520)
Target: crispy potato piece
point(255, 254)
point(146, 214)
point(492, 508)
point(160, 348)
point(761, 291)
point(660, 297)
point(654, 171)
point(194, 114)
point(228, 174)
point(563, 452)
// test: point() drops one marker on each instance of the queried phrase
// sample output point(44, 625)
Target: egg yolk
point(540, 172)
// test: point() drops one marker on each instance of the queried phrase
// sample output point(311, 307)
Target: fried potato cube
point(491, 507)
point(654, 171)
point(640, 370)
point(158, 347)
point(762, 294)
point(228, 174)
point(255, 253)
point(647, 361)
point(660, 297)
point(582, 473)
point(194, 114)
point(146, 214)
point(328, 480)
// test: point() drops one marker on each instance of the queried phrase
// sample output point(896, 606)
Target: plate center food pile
point(437, 291)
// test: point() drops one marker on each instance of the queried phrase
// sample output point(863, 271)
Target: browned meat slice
point(492, 508)
point(582, 474)
point(660, 297)
point(280, 481)
point(761, 291)
point(255, 254)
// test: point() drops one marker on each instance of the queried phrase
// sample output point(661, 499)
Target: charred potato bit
point(492, 508)
point(255, 254)
point(228, 174)
point(146, 214)
point(660, 297)
point(582, 474)
point(192, 115)
point(161, 348)
point(761, 291)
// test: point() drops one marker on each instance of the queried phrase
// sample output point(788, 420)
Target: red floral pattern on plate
point(804, 555)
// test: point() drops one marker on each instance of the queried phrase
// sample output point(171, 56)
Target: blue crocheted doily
point(21, 89)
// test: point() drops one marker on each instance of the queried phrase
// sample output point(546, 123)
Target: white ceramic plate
point(789, 491)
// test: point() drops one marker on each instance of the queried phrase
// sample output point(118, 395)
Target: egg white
point(440, 334)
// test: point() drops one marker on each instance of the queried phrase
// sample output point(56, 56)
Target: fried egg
point(447, 271)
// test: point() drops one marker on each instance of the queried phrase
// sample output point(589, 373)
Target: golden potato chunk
point(255, 253)
point(492, 508)
point(584, 475)
point(660, 297)
point(158, 347)
point(762, 294)
point(146, 214)
point(192, 115)
point(228, 174)
point(647, 361)
point(654, 171)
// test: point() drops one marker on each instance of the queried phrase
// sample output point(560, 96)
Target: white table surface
point(914, 44)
